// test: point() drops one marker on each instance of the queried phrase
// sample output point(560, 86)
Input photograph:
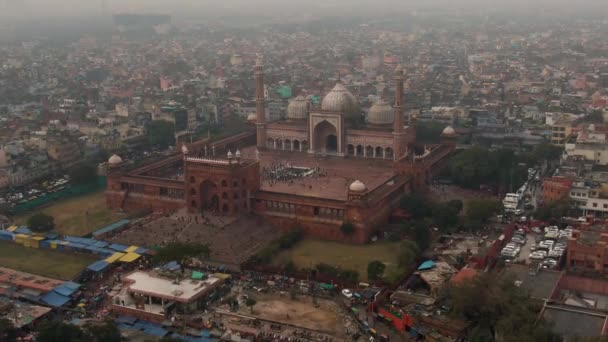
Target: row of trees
point(497, 308)
point(286, 241)
point(501, 169)
point(425, 213)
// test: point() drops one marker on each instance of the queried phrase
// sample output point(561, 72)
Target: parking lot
point(526, 249)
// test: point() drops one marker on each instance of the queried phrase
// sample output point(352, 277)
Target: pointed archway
point(325, 137)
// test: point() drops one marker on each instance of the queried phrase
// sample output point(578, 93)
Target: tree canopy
point(477, 166)
point(181, 252)
point(480, 210)
point(41, 222)
point(161, 133)
point(429, 132)
point(554, 210)
point(347, 228)
point(375, 270)
point(8, 332)
point(57, 331)
point(83, 173)
point(495, 306)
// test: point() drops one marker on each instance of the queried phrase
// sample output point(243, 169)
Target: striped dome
point(298, 108)
point(339, 99)
point(380, 113)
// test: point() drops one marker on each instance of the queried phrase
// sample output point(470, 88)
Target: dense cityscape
point(342, 172)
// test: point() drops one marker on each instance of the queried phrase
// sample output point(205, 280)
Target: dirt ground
point(326, 316)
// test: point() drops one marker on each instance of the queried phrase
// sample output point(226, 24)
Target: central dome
point(298, 108)
point(380, 113)
point(339, 99)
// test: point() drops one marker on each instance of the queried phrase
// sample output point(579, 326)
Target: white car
point(346, 293)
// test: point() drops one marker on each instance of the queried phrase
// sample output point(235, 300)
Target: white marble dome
point(339, 99)
point(298, 108)
point(114, 160)
point(381, 113)
point(252, 117)
point(184, 149)
point(448, 131)
point(357, 186)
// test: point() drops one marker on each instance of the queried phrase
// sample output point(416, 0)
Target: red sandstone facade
point(213, 176)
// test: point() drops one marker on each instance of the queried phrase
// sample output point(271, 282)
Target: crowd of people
point(285, 173)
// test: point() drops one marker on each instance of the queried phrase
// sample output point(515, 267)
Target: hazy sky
point(38, 8)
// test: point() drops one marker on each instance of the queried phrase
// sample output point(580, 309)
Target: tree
point(83, 173)
point(417, 206)
point(554, 210)
point(182, 253)
point(161, 133)
point(347, 228)
point(457, 205)
point(250, 302)
point(104, 332)
point(289, 267)
point(57, 331)
point(480, 210)
point(408, 252)
point(446, 214)
point(495, 306)
point(8, 332)
point(429, 132)
point(41, 222)
point(375, 270)
point(422, 236)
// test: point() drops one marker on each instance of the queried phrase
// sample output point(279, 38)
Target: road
point(525, 249)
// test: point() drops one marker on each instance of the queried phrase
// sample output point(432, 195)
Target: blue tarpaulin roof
point(100, 244)
point(67, 288)
point(155, 330)
point(110, 227)
point(126, 320)
point(427, 265)
point(55, 299)
point(6, 232)
point(171, 266)
point(80, 240)
point(51, 236)
point(118, 247)
point(98, 266)
point(23, 230)
point(72, 285)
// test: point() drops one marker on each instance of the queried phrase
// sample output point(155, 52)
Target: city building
point(555, 188)
point(149, 296)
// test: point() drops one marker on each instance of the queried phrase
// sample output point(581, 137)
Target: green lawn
point(309, 252)
point(71, 218)
point(43, 262)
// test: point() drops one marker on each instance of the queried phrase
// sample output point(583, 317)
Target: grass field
point(309, 252)
point(43, 262)
point(71, 218)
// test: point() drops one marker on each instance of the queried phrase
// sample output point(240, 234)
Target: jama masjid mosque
point(318, 169)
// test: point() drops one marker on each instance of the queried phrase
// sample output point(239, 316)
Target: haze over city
point(388, 170)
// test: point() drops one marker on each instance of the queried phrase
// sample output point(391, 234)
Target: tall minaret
point(398, 134)
point(260, 109)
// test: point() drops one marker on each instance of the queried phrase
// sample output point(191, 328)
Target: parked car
point(347, 293)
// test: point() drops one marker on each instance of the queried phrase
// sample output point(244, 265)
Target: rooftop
point(334, 177)
point(572, 322)
point(184, 291)
point(540, 285)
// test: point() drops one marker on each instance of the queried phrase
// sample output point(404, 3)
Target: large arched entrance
point(209, 198)
point(325, 137)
